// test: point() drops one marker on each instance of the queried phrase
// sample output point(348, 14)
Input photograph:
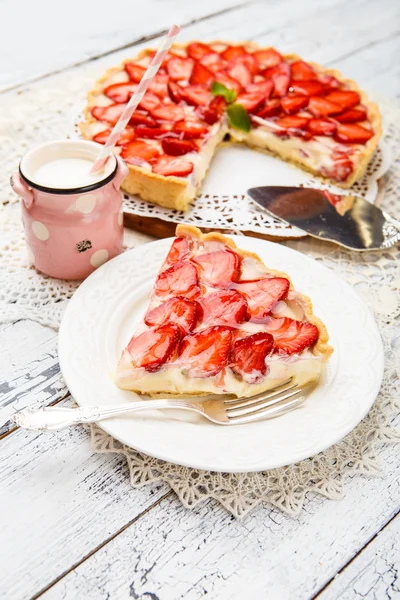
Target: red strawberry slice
point(248, 61)
point(201, 74)
point(168, 112)
point(178, 251)
point(120, 92)
point(309, 88)
point(175, 147)
point(177, 311)
point(241, 73)
point(322, 107)
point(233, 52)
point(346, 98)
point(248, 356)
point(271, 109)
point(197, 95)
point(219, 268)
point(126, 136)
point(301, 70)
point(226, 307)
point(250, 101)
point(152, 348)
point(179, 280)
point(280, 76)
point(262, 295)
point(188, 130)
point(294, 124)
point(159, 85)
point(213, 61)
point(340, 170)
point(174, 91)
point(197, 50)
point(109, 114)
point(321, 127)
point(268, 58)
point(290, 336)
point(135, 72)
point(329, 81)
point(353, 115)
point(214, 111)
point(151, 132)
point(141, 118)
point(149, 101)
point(169, 166)
point(292, 104)
point(136, 152)
point(227, 81)
point(206, 353)
point(353, 134)
point(180, 69)
point(261, 87)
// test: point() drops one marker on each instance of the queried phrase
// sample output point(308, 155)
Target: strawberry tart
point(300, 111)
point(220, 321)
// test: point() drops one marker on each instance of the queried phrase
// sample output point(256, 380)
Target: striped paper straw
point(136, 98)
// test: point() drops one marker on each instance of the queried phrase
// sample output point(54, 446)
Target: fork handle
point(55, 417)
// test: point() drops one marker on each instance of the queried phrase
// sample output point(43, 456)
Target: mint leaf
point(239, 117)
point(219, 89)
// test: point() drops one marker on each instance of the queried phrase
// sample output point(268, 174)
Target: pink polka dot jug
point(73, 219)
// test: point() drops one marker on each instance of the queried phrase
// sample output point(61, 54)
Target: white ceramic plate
point(101, 317)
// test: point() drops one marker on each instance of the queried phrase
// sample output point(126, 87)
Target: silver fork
point(223, 411)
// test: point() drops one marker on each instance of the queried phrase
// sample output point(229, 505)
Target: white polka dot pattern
point(98, 258)
point(85, 204)
point(40, 231)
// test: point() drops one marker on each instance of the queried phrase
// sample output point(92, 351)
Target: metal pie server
point(347, 220)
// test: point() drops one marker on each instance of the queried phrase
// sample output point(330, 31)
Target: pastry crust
point(176, 192)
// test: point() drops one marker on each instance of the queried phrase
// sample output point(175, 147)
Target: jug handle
point(20, 188)
point(121, 174)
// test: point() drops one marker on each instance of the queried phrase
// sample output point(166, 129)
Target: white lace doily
point(46, 111)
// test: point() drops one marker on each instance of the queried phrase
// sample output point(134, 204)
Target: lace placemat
point(32, 117)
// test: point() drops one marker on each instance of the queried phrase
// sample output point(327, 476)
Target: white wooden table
point(71, 526)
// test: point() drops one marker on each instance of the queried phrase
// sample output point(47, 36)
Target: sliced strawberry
point(177, 311)
point(268, 58)
point(219, 268)
point(292, 122)
point(179, 280)
point(353, 115)
point(151, 132)
point(179, 251)
point(346, 98)
point(188, 130)
point(206, 353)
point(321, 127)
point(174, 91)
point(197, 95)
point(201, 74)
point(168, 112)
point(175, 147)
point(213, 61)
point(248, 356)
point(262, 295)
point(301, 70)
point(197, 50)
point(329, 81)
point(159, 85)
point(180, 69)
point(135, 72)
point(214, 111)
point(233, 52)
point(225, 307)
point(149, 101)
point(141, 118)
point(109, 114)
point(280, 76)
point(250, 101)
point(353, 134)
point(309, 88)
point(152, 348)
point(271, 109)
point(246, 60)
point(120, 92)
point(126, 136)
point(138, 150)
point(169, 166)
point(292, 104)
point(340, 170)
point(290, 336)
point(227, 81)
point(261, 87)
point(241, 73)
point(322, 107)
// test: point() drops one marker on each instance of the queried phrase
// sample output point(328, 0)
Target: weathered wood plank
point(374, 573)
point(171, 553)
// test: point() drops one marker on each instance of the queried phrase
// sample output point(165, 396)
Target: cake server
point(347, 220)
